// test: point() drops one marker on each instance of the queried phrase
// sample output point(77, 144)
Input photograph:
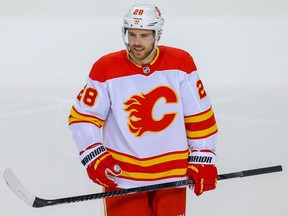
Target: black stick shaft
point(251, 172)
point(43, 202)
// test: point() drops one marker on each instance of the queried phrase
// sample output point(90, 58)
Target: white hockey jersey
point(147, 117)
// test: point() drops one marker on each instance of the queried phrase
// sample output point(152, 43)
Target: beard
point(140, 53)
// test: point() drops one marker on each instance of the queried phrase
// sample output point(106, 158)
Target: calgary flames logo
point(141, 111)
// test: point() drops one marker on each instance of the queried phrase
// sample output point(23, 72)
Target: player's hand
point(100, 165)
point(203, 171)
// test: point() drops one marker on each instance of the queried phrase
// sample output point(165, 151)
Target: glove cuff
point(204, 156)
point(91, 153)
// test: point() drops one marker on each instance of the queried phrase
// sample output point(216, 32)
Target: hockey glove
point(202, 170)
point(100, 165)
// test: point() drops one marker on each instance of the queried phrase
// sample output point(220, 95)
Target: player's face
point(141, 43)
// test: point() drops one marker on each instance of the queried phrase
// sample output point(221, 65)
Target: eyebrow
point(142, 34)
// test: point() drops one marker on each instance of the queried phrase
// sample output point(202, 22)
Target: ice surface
point(240, 48)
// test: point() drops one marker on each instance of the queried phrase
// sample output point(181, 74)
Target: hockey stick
point(37, 202)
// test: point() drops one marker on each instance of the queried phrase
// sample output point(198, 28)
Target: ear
point(159, 37)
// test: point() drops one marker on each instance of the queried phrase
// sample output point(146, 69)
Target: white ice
point(48, 47)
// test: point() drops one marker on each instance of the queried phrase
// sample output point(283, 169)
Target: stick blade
point(17, 188)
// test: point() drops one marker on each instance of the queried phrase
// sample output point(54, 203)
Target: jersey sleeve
point(200, 123)
point(88, 114)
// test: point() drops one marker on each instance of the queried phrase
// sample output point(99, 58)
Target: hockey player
point(144, 118)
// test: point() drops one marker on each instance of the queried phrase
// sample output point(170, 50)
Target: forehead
point(139, 31)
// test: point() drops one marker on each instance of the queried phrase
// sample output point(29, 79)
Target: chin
point(139, 58)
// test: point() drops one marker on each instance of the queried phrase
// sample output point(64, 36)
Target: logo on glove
point(200, 159)
point(93, 154)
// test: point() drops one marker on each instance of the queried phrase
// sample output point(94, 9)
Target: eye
point(145, 35)
point(131, 34)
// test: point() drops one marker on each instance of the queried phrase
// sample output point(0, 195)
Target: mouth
point(138, 49)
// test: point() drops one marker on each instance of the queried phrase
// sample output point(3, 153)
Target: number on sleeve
point(201, 90)
point(81, 93)
point(90, 96)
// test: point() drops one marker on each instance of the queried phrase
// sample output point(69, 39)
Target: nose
point(138, 41)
